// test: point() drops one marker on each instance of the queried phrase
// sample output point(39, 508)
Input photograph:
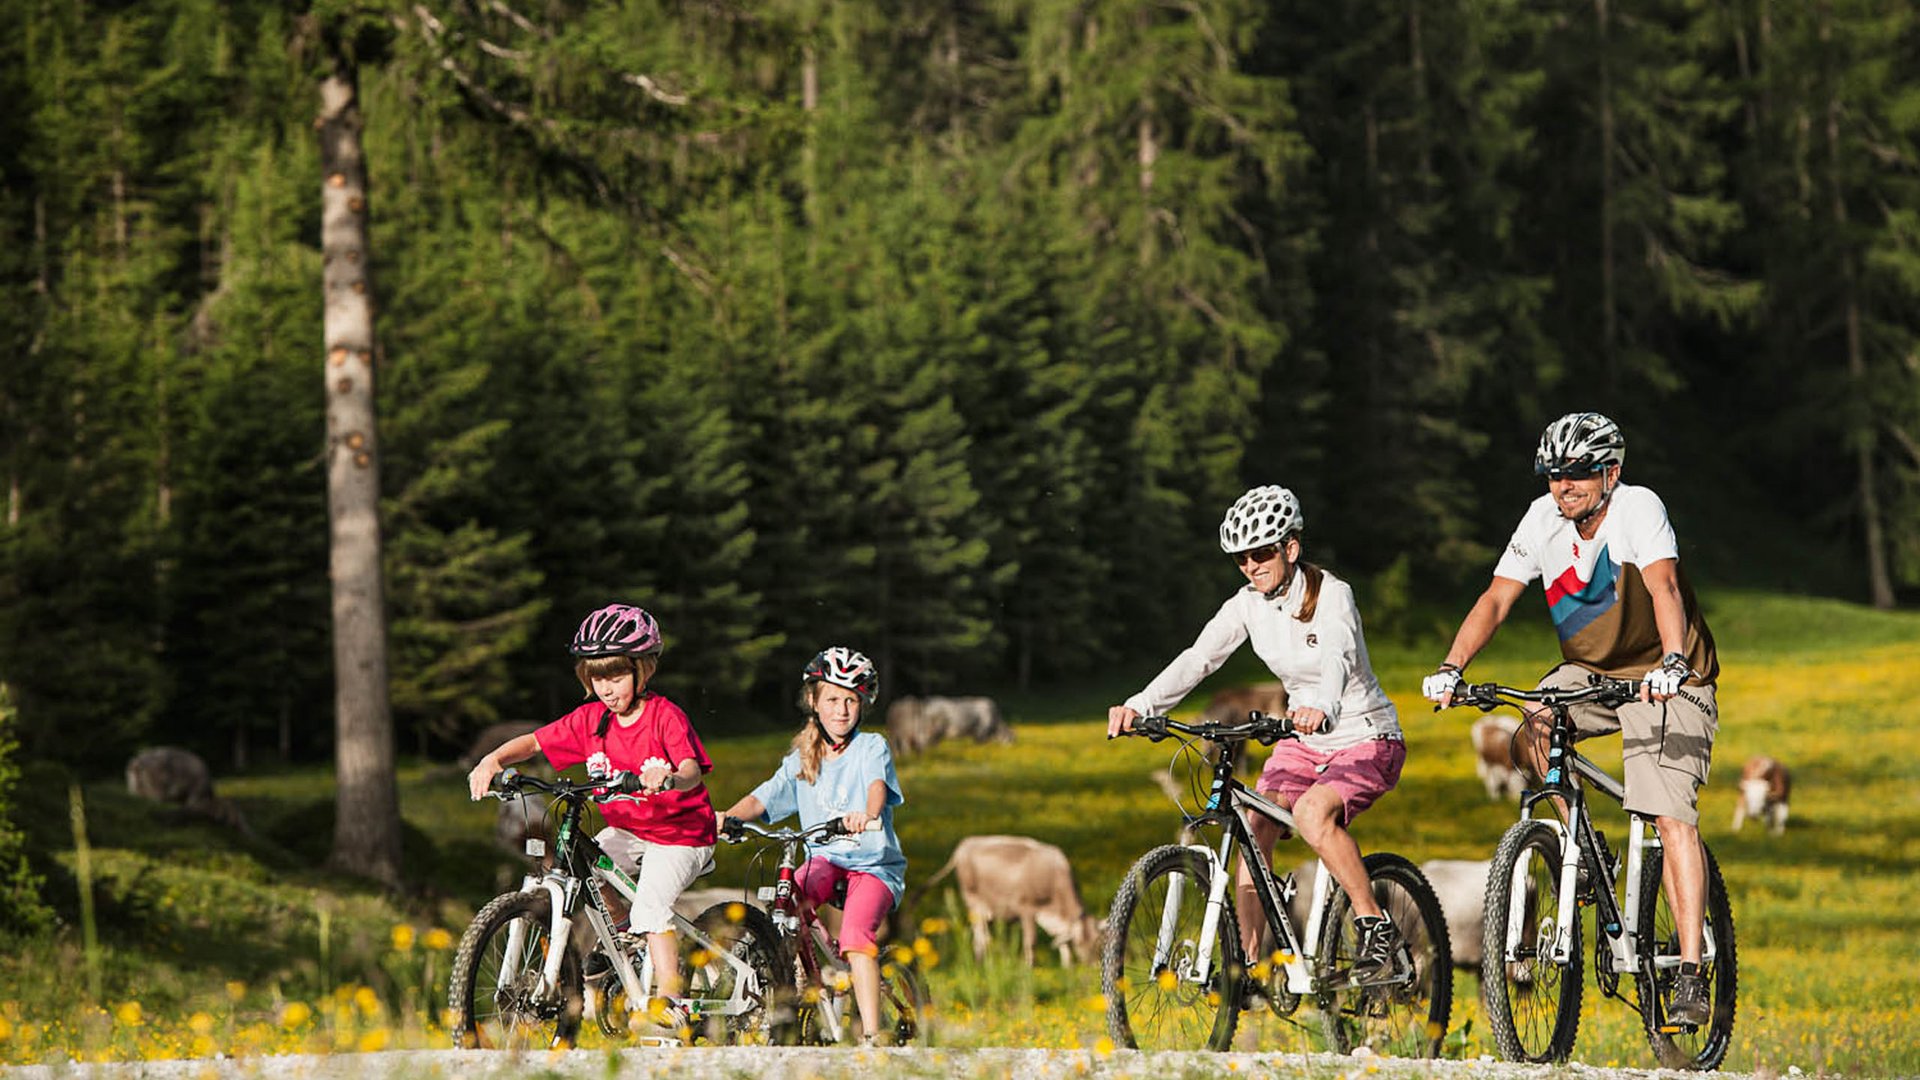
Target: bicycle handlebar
point(1267, 729)
point(732, 830)
point(510, 782)
point(1601, 688)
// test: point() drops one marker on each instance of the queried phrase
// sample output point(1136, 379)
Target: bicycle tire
point(1677, 1048)
point(905, 1007)
point(1152, 1006)
point(494, 1008)
point(749, 934)
point(1532, 1004)
point(1405, 1020)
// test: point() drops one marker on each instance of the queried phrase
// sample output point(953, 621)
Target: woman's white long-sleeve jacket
point(1323, 663)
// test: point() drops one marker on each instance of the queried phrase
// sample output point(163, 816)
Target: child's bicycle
point(1543, 874)
point(519, 983)
point(824, 1012)
point(1173, 972)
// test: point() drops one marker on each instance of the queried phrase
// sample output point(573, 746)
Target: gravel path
point(762, 1063)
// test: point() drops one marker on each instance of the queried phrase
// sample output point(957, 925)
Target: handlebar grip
point(1153, 727)
point(1272, 728)
point(506, 779)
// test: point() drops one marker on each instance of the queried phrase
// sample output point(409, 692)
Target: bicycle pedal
point(664, 1042)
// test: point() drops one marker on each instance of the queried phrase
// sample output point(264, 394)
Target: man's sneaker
point(1689, 1004)
point(1379, 942)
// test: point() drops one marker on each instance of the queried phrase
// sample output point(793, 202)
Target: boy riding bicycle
point(1622, 607)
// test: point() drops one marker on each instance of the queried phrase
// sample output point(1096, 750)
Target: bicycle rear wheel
point(1677, 1046)
point(1532, 1004)
point(905, 1008)
point(1407, 1015)
point(749, 935)
point(495, 994)
point(1156, 998)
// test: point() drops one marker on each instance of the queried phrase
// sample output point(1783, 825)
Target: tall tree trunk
point(366, 838)
point(1609, 317)
point(1861, 431)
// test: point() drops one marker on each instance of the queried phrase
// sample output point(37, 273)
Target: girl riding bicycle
point(664, 837)
point(1304, 624)
point(836, 771)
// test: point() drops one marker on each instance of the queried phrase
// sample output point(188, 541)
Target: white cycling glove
point(1444, 681)
point(1664, 681)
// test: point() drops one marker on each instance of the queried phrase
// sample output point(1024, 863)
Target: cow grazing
point(1006, 878)
point(490, 737)
point(694, 901)
point(179, 777)
point(915, 724)
point(1765, 785)
point(1231, 706)
point(1493, 756)
point(1461, 886)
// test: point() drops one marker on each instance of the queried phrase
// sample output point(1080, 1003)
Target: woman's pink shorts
point(867, 903)
point(1359, 774)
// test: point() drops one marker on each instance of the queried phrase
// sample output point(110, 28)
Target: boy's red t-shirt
point(675, 818)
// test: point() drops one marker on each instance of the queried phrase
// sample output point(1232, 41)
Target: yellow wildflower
point(438, 939)
point(294, 1014)
point(128, 1013)
point(402, 938)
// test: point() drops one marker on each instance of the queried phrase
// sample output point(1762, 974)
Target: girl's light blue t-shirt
point(841, 790)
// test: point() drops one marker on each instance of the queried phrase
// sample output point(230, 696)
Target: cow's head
point(1753, 794)
point(1087, 937)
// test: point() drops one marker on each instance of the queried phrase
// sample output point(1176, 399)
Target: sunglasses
point(1259, 555)
point(1576, 472)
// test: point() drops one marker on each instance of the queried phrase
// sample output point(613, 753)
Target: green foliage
point(21, 909)
point(943, 330)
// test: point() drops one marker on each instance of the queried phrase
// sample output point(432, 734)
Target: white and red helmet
point(845, 668)
point(1262, 516)
point(617, 630)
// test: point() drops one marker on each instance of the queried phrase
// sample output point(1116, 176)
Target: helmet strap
point(1606, 496)
point(827, 736)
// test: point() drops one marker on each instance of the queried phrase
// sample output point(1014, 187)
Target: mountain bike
point(1173, 970)
point(824, 1012)
point(522, 977)
point(1545, 871)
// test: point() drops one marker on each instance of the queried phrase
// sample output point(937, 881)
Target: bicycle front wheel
point(1166, 987)
point(1532, 1004)
point(496, 993)
point(1679, 1046)
point(1406, 1014)
point(748, 934)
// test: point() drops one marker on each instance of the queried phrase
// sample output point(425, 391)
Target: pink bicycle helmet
point(617, 630)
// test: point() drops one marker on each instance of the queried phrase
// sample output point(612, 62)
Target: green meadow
point(204, 941)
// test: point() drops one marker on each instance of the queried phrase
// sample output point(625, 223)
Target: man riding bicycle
point(1622, 607)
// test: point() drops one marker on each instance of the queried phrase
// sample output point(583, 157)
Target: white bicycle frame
point(562, 888)
point(1295, 954)
point(1621, 945)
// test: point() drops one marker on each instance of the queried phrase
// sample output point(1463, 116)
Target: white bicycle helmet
point(1580, 442)
point(845, 668)
point(1264, 515)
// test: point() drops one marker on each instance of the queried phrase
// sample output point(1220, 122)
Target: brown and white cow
point(1493, 756)
point(1765, 785)
point(1018, 878)
point(1461, 887)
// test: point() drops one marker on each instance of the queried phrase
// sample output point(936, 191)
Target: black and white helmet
point(845, 668)
point(1579, 443)
point(1264, 515)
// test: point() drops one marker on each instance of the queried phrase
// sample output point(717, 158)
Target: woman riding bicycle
point(1622, 607)
point(1304, 624)
point(835, 771)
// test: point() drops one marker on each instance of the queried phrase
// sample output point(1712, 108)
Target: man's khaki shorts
point(1666, 746)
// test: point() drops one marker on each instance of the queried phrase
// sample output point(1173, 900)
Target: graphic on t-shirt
point(1575, 603)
